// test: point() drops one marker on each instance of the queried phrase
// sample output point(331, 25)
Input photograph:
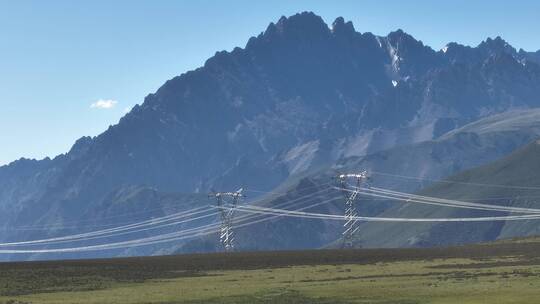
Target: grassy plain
point(503, 272)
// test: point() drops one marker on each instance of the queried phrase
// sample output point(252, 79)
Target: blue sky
point(72, 68)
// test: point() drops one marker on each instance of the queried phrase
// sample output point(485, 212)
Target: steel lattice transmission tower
point(227, 202)
point(350, 192)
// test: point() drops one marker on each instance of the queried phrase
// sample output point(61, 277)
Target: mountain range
point(301, 99)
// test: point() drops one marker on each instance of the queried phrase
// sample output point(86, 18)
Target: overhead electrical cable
point(118, 233)
point(453, 202)
point(387, 219)
point(175, 236)
point(446, 181)
point(149, 222)
point(408, 199)
point(161, 238)
point(73, 223)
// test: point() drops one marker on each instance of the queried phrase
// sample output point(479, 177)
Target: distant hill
point(511, 181)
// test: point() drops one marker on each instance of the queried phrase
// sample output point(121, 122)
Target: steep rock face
point(299, 96)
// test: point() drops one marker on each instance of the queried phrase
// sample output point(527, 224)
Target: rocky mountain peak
point(305, 24)
point(400, 38)
point(497, 45)
point(80, 147)
point(454, 47)
point(339, 26)
point(409, 56)
point(530, 56)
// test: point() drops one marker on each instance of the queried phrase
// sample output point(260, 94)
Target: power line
point(63, 225)
point(292, 213)
point(115, 229)
point(448, 202)
point(175, 236)
point(228, 203)
point(126, 229)
point(120, 233)
point(455, 182)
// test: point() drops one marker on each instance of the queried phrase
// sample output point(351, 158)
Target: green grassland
point(502, 272)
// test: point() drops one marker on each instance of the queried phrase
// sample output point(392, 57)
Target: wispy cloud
point(104, 104)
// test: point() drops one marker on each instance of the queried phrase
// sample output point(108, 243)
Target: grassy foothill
point(502, 272)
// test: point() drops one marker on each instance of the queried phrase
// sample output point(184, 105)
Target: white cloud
point(104, 104)
point(127, 109)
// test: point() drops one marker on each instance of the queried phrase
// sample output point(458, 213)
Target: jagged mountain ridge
point(298, 96)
